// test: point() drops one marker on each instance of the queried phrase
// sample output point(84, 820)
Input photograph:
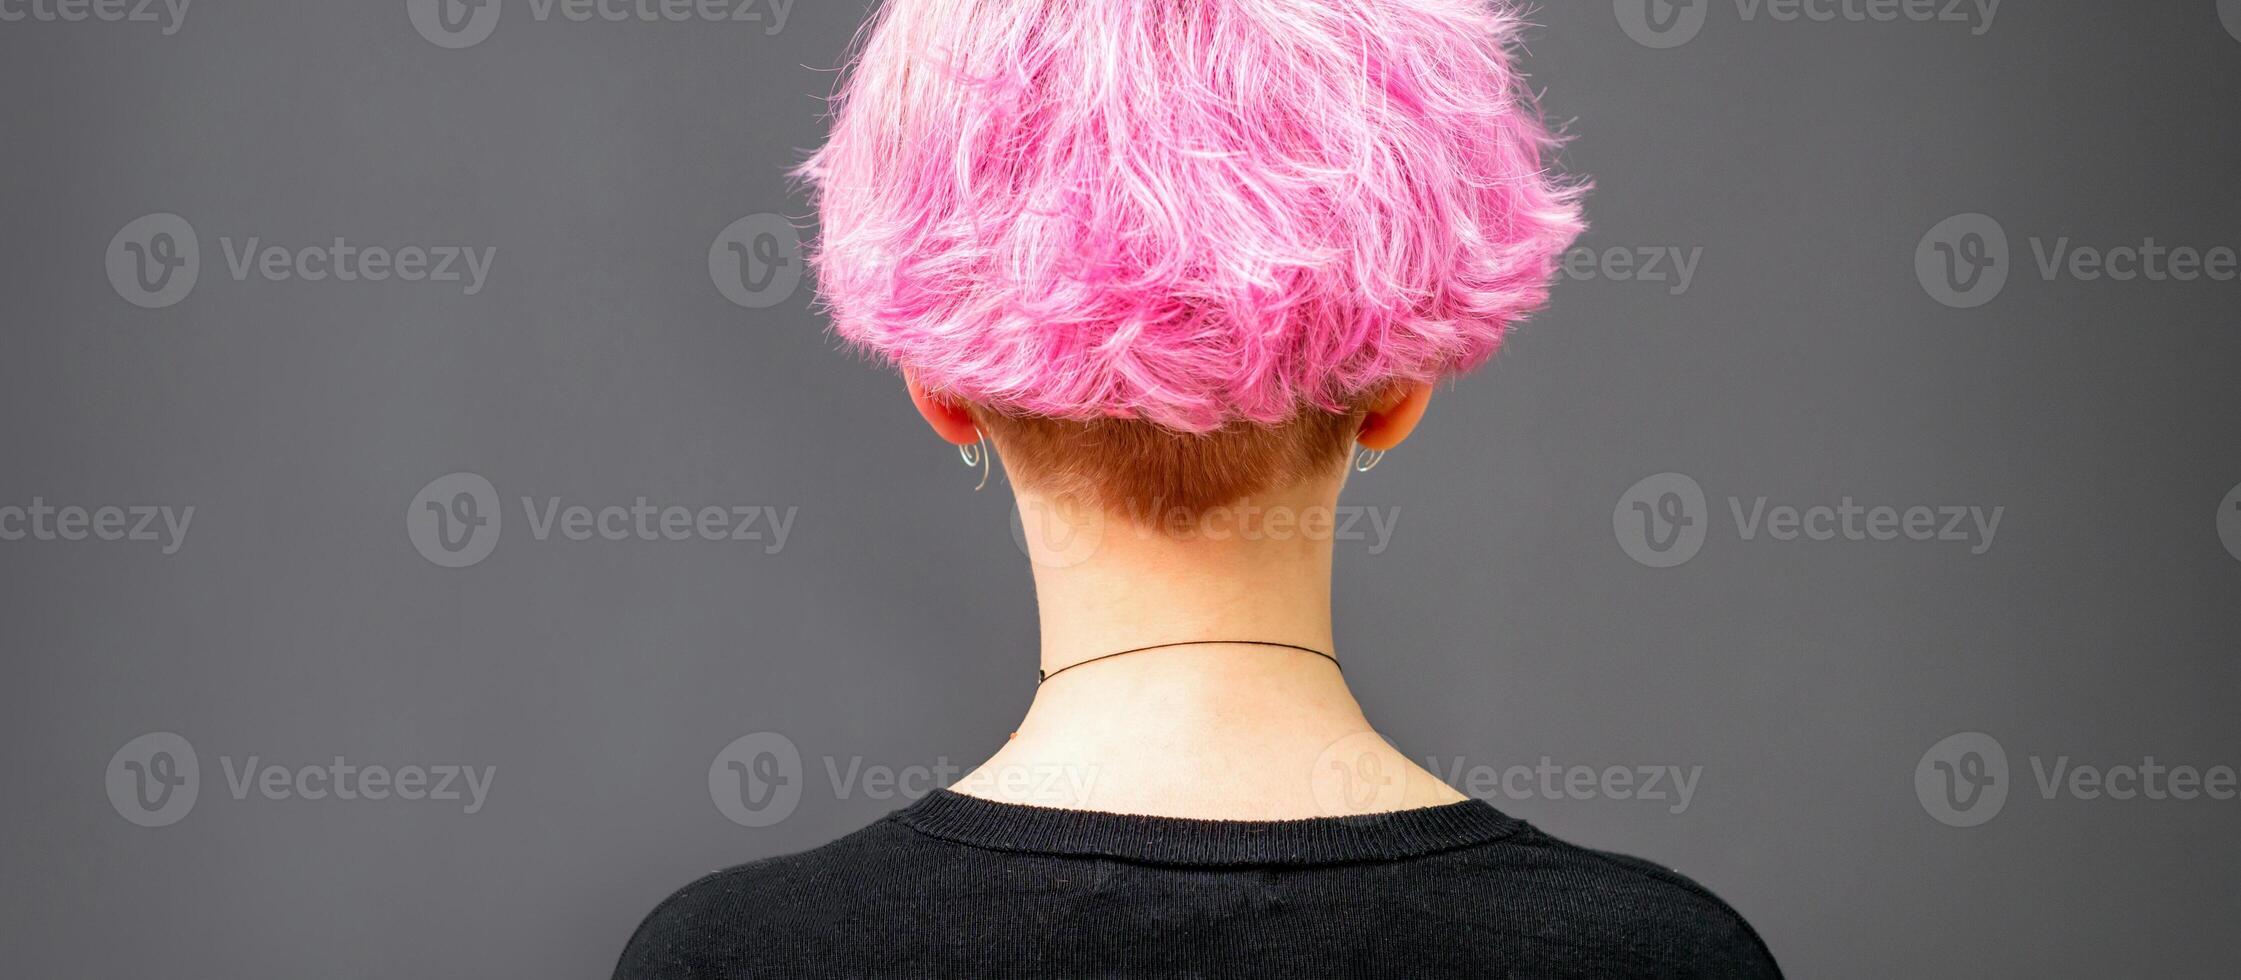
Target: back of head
point(1167, 249)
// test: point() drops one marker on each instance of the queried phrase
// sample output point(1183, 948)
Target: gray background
point(1503, 623)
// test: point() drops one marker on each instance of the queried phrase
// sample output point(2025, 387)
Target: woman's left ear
point(950, 420)
point(1389, 420)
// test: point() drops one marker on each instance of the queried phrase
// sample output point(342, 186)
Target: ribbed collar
point(1390, 836)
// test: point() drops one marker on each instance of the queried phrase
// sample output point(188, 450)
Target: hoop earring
point(1367, 460)
point(976, 454)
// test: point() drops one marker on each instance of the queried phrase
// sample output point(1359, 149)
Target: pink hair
point(1185, 211)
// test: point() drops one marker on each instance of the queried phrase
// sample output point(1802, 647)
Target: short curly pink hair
point(1187, 212)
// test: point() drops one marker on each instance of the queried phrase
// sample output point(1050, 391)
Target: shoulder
point(1638, 918)
point(698, 931)
point(755, 919)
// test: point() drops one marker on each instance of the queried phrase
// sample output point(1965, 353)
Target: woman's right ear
point(1388, 423)
point(949, 418)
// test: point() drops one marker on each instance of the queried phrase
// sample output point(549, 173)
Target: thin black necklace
point(1041, 676)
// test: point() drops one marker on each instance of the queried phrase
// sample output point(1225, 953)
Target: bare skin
point(1206, 731)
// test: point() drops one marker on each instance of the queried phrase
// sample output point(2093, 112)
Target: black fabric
point(956, 886)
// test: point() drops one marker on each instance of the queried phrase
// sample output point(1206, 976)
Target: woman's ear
point(1388, 420)
point(950, 419)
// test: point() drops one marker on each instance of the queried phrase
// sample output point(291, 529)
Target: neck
point(1203, 729)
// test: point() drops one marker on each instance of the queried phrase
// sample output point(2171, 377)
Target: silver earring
point(976, 454)
point(1367, 460)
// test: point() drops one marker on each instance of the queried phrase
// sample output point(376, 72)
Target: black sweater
point(956, 886)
